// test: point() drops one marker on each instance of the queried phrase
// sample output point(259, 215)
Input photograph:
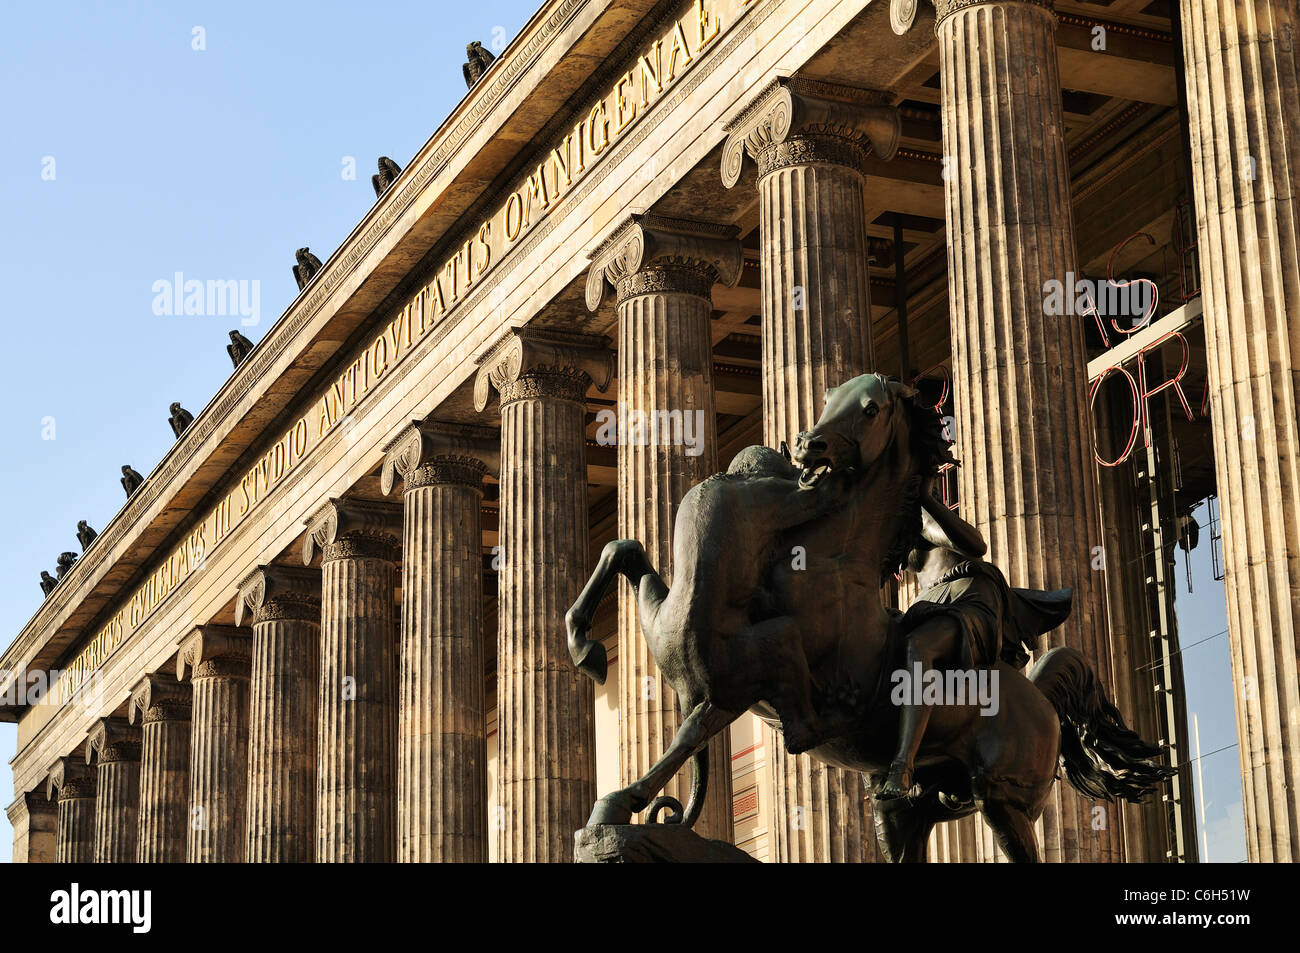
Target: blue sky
point(215, 162)
point(130, 155)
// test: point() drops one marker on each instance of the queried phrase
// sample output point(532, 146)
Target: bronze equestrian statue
point(813, 649)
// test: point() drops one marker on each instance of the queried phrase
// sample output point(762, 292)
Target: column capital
point(527, 362)
point(113, 739)
point(158, 698)
point(349, 528)
point(433, 452)
point(279, 592)
point(32, 802)
point(649, 253)
point(945, 8)
point(215, 650)
point(70, 778)
point(796, 121)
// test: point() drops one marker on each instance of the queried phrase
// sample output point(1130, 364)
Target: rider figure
point(966, 615)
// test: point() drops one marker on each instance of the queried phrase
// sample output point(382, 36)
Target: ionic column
point(441, 742)
point(114, 746)
point(163, 707)
point(218, 658)
point(356, 739)
point(1243, 102)
point(283, 604)
point(810, 142)
point(1024, 434)
point(74, 838)
point(34, 819)
point(663, 271)
point(545, 707)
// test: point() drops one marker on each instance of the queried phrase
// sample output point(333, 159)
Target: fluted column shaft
point(546, 768)
point(816, 292)
point(284, 688)
point(665, 399)
point(1024, 434)
point(164, 769)
point(356, 754)
point(219, 659)
point(74, 840)
point(1243, 101)
point(115, 748)
point(75, 843)
point(442, 746)
point(545, 708)
point(116, 812)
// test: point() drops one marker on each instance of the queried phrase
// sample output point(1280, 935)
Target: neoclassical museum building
point(329, 625)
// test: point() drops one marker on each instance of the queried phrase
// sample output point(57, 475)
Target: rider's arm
point(945, 528)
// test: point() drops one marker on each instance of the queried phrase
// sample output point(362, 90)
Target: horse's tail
point(1103, 757)
point(694, 804)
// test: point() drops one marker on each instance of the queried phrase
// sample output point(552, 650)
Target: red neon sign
point(1141, 394)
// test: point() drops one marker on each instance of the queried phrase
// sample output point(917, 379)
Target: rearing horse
point(811, 649)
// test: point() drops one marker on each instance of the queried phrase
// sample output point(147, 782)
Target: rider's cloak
point(996, 620)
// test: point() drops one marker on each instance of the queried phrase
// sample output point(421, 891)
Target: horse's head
point(862, 419)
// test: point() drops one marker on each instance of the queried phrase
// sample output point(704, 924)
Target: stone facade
point(498, 374)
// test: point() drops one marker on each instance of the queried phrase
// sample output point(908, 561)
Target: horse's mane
point(929, 451)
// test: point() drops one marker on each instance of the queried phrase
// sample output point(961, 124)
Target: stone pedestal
point(1243, 102)
point(73, 782)
point(545, 707)
point(1024, 433)
point(810, 141)
point(356, 753)
point(652, 844)
point(114, 746)
point(34, 818)
point(663, 271)
point(217, 657)
point(441, 739)
point(284, 605)
point(162, 707)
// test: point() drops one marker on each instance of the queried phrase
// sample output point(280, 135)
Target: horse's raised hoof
point(616, 808)
point(592, 661)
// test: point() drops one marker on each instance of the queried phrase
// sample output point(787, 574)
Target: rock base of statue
point(651, 844)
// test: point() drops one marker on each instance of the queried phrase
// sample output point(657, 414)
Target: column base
point(651, 844)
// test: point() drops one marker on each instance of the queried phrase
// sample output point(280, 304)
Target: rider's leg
point(926, 644)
